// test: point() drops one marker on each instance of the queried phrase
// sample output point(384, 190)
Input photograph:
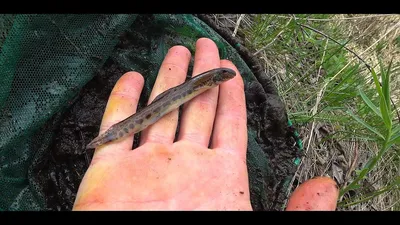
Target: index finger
point(121, 104)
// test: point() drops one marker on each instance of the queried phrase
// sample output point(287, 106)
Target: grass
point(339, 78)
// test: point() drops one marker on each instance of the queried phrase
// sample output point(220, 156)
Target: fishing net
point(56, 73)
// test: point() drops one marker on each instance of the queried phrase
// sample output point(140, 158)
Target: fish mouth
point(101, 139)
point(94, 143)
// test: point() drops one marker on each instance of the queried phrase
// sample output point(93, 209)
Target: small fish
point(164, 103)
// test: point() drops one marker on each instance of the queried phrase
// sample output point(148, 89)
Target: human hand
point(165, 175)
point(183, 175)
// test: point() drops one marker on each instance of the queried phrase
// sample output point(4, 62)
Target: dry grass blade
point(237, 24)
point(345, 18)
point(317, 102)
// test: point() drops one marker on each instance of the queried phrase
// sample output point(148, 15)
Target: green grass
point(319, 65)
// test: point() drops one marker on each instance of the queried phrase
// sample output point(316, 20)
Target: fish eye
point(229, 72)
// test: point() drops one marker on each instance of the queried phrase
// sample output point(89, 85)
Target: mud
point(266, 114)
point(63, 167)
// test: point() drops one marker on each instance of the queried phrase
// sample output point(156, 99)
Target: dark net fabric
point(56, 72)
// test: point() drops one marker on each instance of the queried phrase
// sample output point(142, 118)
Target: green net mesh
point(56, 72)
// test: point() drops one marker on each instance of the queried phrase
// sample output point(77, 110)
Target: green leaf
point(354, 187)
point(384, 95)
point(397, 41)
point(397, 181)
point(357, 172)
point(364, 170)
point(385, 82)
point(377, 84)
point(370, 104)
point(395, 138)
point(396, 129)
point(386, 89)
point(385, 114)
point(367, 197)
point(362, 122)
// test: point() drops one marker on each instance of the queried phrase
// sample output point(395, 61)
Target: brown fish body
point(163, 104)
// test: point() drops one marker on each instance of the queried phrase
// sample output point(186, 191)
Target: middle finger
point(198, 114)
point(172, 73)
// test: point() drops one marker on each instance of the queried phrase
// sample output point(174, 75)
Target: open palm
point(165, 175)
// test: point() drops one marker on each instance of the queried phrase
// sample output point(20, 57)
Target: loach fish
point(164, 103)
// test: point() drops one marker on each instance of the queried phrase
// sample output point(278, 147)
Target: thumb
point(316, 194)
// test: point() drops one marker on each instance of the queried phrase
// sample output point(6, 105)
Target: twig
point(327, 36)
point(237, 24)
point(358, 56)
point(283, 29)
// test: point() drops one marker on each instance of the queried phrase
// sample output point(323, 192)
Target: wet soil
point(63, 167)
